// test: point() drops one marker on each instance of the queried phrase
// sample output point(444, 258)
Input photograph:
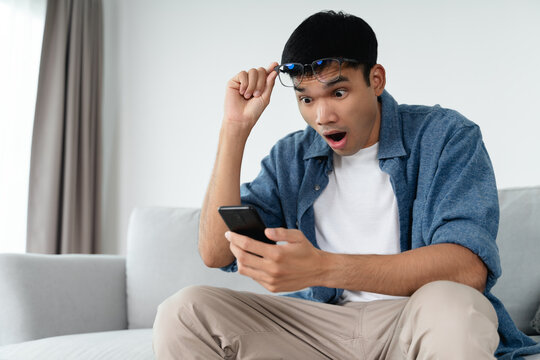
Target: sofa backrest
point(519, 247)
point(162, 258)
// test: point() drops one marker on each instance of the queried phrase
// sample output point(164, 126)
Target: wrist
point(326, 267)
point(235, 130)
point(232, 142)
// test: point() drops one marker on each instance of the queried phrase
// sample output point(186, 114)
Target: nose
point(325, 114)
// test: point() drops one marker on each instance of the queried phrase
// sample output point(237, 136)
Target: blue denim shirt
point(441, 175)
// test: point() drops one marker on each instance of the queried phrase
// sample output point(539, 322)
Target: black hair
point(330, 34)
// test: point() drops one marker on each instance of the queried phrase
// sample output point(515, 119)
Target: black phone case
point(244, 220)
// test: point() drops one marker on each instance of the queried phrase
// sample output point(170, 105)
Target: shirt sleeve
point(263, 194)
point(462, 204)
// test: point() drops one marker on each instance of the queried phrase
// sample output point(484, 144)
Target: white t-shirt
point(357, 212)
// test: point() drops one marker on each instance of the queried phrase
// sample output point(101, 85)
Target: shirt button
point(317, 188)
point(319, 161)
point(297, 224)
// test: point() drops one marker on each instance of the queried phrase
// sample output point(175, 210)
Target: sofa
point(103, 306)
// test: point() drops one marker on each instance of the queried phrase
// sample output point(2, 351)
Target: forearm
point(402, 274)
point(223, 189)
point(246, 96)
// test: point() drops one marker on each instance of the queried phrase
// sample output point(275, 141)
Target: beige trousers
point(442, 320)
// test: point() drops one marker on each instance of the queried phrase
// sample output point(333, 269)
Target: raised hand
point(247, 95)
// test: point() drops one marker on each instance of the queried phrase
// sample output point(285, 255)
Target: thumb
point(270, 81)
point(282, 234)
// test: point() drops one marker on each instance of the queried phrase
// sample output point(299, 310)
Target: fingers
point(247, 245)
point(261, 82)
point(242, 78)
point(270, 68)
point(245, 258)
point(260, 276)
point(270, 81)
point(255, 82)
point(251, 83)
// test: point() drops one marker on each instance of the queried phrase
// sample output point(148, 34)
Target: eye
point(305, 100)
point(340, 93)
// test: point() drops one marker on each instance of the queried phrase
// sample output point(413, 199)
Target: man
point(388, 211)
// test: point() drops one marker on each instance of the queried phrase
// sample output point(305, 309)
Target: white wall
point(167, 63)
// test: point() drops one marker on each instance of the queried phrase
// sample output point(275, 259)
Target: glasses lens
point(290, 74)
point(326, 70)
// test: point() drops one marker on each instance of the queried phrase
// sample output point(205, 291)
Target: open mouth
point(337, 136)
point(337, 140)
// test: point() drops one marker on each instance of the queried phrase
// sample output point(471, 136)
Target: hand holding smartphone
point(246, 221)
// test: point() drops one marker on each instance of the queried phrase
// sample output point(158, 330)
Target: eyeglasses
point(325, 70)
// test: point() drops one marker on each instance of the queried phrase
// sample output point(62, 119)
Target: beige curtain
point(63, 199)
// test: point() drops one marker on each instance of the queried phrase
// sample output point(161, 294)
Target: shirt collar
point(390, 135)
point(318, 147)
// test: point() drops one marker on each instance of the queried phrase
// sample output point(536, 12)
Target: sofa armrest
point(50, 295)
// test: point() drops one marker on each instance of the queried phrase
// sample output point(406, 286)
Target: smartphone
point(246, 221)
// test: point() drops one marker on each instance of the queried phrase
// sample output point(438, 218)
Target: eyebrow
point(326, 85)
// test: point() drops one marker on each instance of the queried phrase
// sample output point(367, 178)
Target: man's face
point(345, 112)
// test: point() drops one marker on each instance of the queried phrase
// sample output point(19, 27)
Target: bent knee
point(452, 300)
point(443, 291)
point(187, 298)
point(190, 299)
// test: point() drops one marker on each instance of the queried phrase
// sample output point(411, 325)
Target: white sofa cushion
point(107, 345)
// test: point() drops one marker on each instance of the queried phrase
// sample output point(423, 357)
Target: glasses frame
point(303, 66)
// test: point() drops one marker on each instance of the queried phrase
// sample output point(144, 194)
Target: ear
point(377, 79)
